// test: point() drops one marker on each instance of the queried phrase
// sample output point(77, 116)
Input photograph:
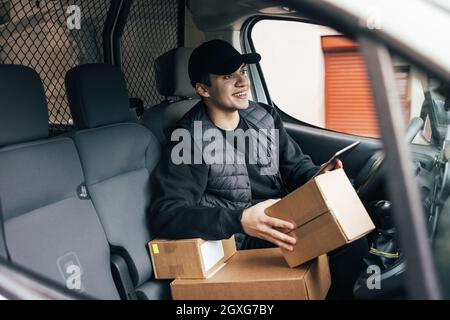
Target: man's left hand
point(333, 166)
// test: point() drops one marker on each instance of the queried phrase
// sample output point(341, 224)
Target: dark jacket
point(207, 200)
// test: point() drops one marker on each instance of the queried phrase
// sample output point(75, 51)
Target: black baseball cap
point(217, 57)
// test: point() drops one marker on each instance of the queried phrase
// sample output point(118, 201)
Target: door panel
point(321, 144)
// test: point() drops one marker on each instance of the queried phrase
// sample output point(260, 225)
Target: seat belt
point(3, 249)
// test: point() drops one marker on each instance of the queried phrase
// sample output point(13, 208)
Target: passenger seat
point(172, 81)
point(118, 157)
point(50, 226)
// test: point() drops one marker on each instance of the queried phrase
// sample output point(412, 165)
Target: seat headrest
point(97, 95)
point(23, 106)
point(171, 73)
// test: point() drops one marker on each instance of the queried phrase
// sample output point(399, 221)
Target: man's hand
point(333, 166)
point(257, 224)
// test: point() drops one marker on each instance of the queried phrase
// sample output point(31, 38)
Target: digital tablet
point(341, 154)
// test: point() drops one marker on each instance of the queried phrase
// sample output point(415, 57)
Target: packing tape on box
point(215, 271)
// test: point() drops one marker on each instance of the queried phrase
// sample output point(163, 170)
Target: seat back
point(172, 81)
point(50, 227)
point(118, 157)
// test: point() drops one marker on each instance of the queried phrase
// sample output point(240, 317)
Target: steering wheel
point(371, 175)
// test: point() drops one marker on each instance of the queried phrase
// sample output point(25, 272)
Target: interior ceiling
point(212, 15)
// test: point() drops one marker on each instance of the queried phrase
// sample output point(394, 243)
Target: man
point(213, 199)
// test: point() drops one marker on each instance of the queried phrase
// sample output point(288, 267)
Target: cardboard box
point(260, 274)
point(328, 214)
point(190, 258)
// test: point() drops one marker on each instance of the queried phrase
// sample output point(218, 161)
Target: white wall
point(295, 76)
point(293, 66)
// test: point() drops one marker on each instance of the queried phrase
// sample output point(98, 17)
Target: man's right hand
point(257, 224)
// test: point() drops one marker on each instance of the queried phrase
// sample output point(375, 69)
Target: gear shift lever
point(381, 212)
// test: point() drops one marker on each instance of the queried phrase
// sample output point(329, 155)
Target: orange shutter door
point(349, 105)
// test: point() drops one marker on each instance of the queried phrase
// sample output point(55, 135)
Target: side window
point(318, 76)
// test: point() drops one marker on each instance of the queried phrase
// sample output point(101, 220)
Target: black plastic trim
point(122, 278)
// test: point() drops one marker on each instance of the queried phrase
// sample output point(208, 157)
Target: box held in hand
point(327, 213)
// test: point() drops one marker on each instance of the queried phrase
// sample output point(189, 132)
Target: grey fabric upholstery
point(97, 95)
point(118, 160)
point(51, 172)
point(48, 228)
point(24, 114)
point(171, 73)
point(161, 118)
point(41, 238)
point(172, 80)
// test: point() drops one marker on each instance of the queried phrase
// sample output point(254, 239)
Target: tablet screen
point(341, 154)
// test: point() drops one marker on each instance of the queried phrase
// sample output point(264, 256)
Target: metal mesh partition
point(153, 28)
point(37, 34)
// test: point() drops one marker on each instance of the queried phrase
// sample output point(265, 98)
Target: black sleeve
point(296, 168)
point(175, 211)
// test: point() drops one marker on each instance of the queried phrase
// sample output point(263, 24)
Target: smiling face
point(226, 92)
